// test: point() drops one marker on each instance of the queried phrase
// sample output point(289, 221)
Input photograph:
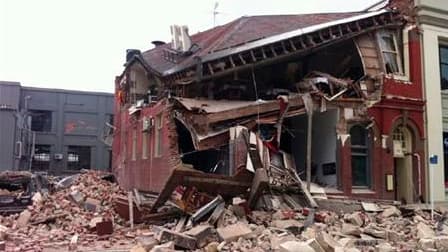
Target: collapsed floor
point(90, 213)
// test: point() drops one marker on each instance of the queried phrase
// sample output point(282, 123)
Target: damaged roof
point(244, 34)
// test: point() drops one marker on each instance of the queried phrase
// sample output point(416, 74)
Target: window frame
point(41, 114)
point(397, 52)
point(445, 46)
point(38, 164)
point(158, 150)
point(362, 151)
point(145, 140)
point(78, 151)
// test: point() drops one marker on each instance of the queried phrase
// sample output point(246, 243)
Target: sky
point(81, 44)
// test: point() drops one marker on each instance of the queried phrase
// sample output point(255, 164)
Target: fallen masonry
point(58, 222)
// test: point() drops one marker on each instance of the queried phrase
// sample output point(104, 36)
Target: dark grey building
point(54, 130)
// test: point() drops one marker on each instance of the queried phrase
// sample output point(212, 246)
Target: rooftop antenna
point(215, 13)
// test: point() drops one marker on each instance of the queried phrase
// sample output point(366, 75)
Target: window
point(360, 156)
point(109, 160)
point(110, 123)
point(134, 144)
point(41, 157)
point(390, 52)
point(78, 157)
point(40, 120)
point(158, 136)
point(145, 145)
point(398, 135)
point(443, 54)
point(445, 156)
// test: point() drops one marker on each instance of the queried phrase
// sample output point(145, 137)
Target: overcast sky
point(80, 44)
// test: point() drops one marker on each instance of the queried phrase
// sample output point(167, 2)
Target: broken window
point(389, 50)
point(139, 84)
point(360, 156)
point(443, 54)
point(41, 157)
point(41, 120)
point(158, 136)
point(78, 157)
point(110, 123)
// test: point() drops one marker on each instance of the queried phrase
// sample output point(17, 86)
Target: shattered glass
point(390, 60)
point(387, 43)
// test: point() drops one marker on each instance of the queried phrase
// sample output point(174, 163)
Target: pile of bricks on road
point(234, 227)
point(69, 215)
point(83, 217)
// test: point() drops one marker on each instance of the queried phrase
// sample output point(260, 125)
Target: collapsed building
point(332, 99)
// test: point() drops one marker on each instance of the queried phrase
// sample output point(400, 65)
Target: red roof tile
point(239, 32)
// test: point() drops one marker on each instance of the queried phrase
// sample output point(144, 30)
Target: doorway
point(404, 179)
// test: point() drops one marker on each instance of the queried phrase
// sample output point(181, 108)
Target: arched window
point(398, 135)
point(360, 156)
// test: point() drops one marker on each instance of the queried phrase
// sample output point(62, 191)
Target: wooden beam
point(273, 50)
point(210, 68)
point(254, 59)
point(263, 53)
point(241, 58)
point(285, 51)
point(251, 110)
point(292, 45)
point(231, 61)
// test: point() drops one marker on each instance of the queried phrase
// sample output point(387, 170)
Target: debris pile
point(80, 213)
point(84, 216)
point(236, 228)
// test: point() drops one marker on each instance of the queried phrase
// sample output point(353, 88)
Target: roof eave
point(272, 39)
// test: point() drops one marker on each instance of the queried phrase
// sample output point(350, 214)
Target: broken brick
point(137, 248)
point(180, 240)
point(350, 229)
point(200, 233)
point(375, 231)
point(23, 219)
point(92, 205)
point(94, 221)
point(77, 197)
point(293, 246)
point(391, 211)
point(233, 232)
point(293, 226)
point(426, 244)
point(424, 231)
point(327, 242)
point(355, 219)
point(104, 227)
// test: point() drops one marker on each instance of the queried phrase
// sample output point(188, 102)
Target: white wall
point(431, 76)
point(324, 143)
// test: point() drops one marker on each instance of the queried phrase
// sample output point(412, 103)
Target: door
point(405, 189)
